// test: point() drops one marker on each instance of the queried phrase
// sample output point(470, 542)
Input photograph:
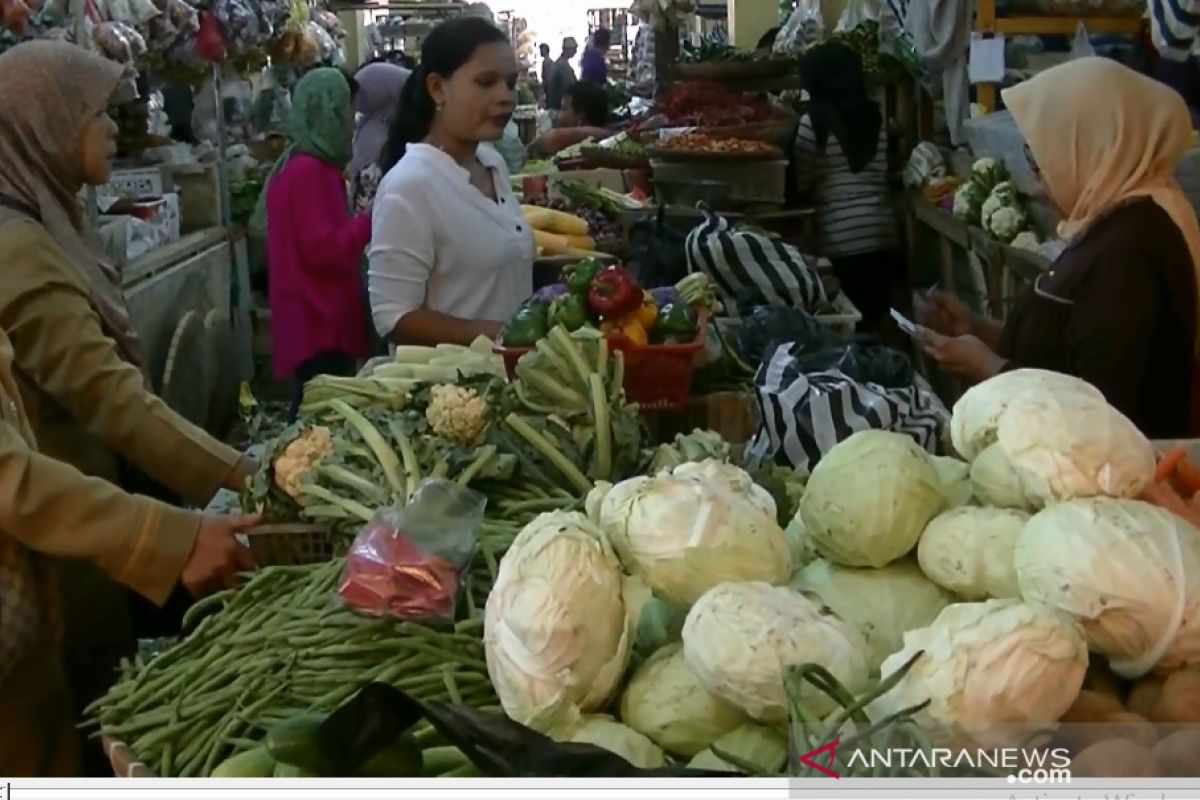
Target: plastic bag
point(1081, 47)
point(856, 13)
point(408, 562)
point(767, 327)
point(805, 27)
point(865, 362)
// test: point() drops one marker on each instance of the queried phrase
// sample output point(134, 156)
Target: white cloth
point(941, 34)
point(437, 242)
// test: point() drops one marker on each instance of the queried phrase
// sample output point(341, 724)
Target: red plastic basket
point(656, 375)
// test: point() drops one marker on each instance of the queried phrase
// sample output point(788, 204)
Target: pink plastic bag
point(408, 562)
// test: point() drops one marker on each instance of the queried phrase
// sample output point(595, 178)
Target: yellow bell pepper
point(647, 312)
point(627, 326)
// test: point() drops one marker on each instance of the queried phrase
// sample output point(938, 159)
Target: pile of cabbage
point(662, 623)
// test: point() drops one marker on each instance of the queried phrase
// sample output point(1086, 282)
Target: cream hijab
point(49, 92)
point(1101, 135)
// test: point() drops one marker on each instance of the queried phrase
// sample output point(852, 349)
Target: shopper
point(314, 245)
point(1118, 307)
point(547, 69)
point(378, 98)
point(593, 65)
point(584, 116)
point(841, 161)
point(48, 511)
point(78, 363)
point(451, 254)
point(562, 77)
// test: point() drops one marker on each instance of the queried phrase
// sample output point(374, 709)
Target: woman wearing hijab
point(49, 510)
point(1118, 307)
point(841, 162)
point(314, 244)
point(77, 361)
point(379, 87)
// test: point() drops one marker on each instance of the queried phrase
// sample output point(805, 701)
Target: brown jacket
point(85, 404)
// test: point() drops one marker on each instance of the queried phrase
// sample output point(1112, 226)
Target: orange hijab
point(1103, 134)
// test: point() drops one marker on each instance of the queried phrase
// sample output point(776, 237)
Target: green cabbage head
point(666, 701)
point(559, 622)
point(869, 499)
point(969, 551)
point(604, 731)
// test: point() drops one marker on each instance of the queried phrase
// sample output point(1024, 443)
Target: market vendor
point(78, 362)
point(1118, 307)
point(451, 253)
point(49, 510)
point(584, 116)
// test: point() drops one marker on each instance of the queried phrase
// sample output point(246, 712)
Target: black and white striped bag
point(749, 267)
point(803, 415)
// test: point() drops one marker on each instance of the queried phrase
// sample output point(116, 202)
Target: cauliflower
point(967, 200)
point(456, 413)
point(1005, 192)
point(301, 455)
point(987, 173)
point(983, 166)
point(1026, 240)
point(989, 207)
point(1005, 223)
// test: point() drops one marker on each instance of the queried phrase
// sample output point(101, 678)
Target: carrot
point(1169, 462)
point(1187, 478)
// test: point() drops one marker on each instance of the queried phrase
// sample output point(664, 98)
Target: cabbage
point(869, 499)
point(698, 526)
point(984, 664)
point(880, 603)
point(969, 551)
point(1128, 571)
point(740, 637)
point(559, 622)
point(994, 482)
point(800, 544)
point(1067, 445)
point(666, 701)
point(763, 748)
point(604, 731)
point(954, 476)
point(977, 413)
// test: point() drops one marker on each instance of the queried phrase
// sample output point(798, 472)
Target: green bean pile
point(279, 646)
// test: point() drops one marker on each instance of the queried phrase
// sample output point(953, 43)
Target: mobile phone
point(904, 323)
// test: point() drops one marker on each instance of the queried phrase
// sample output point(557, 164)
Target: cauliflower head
point(1026, 240)
point(301, 455)
point(456, 413)
point(990, 207)
point(1005, 223)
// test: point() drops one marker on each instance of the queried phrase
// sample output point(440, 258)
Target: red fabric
point(315, 251)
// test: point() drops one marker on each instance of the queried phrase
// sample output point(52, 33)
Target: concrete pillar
point(357, 47)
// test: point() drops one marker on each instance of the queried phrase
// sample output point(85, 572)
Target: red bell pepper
point(614, 293)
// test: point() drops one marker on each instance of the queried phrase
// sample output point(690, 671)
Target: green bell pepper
point(527, 325)
point(579, 276)
point(676, 322)
point(570, 311)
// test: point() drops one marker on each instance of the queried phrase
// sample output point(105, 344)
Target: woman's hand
point(942, 313)
point(217, 556)
point(961, 356)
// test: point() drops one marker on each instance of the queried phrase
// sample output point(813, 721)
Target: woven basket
point(291, 545)
point(734, 70)
point(779, 131)
point(606, 157)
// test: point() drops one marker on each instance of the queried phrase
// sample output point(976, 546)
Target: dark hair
point(450, 45)
point(544, 49)
point(602, 37)
point(590, 101)
point(353, 83)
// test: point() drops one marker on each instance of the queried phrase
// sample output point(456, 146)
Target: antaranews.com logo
point(1024, 766)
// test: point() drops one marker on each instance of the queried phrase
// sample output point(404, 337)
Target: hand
point(244, 470)
point(942, 313)
point(217, 556)
point(961, 356)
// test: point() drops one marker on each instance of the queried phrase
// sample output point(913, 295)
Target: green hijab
point(320, 124)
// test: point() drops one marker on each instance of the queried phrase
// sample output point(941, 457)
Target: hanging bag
point(752, 269)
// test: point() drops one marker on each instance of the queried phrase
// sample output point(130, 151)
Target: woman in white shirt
point(451, 256)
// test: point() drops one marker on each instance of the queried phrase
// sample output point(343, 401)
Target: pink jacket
point(314, 255)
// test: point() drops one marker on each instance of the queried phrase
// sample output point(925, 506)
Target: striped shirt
point(854, 213)
point(1173, 27)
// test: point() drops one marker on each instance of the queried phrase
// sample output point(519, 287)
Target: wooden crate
point(734, 415)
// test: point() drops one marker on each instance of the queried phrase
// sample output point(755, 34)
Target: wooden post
point(985, 22)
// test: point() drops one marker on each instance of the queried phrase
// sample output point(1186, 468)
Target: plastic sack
point(804, 28)
point(408, 562)
point(865, 362)
point(856, 13)
point(1081, 46)
point(804, 413)
point(767, 327)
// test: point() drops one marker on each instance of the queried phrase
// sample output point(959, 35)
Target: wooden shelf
point(987, 21)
